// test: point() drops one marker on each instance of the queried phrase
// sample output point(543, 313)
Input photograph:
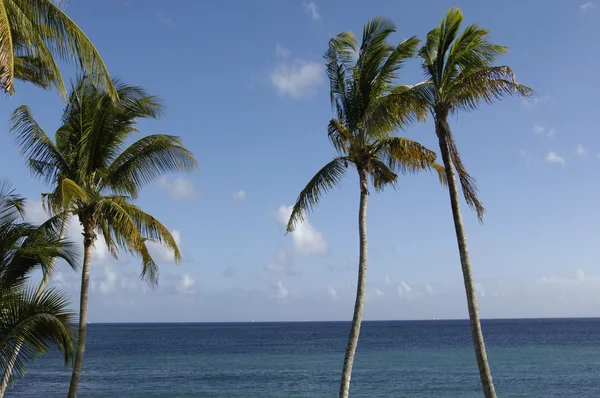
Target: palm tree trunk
point(45, 279)
point(88, 246)
point(476, 332)
point(360, 288)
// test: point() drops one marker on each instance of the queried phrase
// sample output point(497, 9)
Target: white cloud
point(588, 6)
point(307, 240)
point(428, 289)
point(379, 293)
point(107, 285)
point(298, 80)
point(552, 157)
point(282, 52)
point(531, 103)
point(480, 290)
point(179, 187)
point(579, 279)
point(281, 291)
point(311, 8)
point(581, 151)
point(543, 130)
point(283, 263)
point(332, 293)
point(404, 290)
point(388, 280)
point(598, 156)
point(186, 284)
point(525, 156)
point(239, 195)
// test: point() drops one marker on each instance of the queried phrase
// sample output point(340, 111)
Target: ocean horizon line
point(433, 320)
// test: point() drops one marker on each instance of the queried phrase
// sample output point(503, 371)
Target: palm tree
point(30, 321)
point(369, 108)
point(460, 76)
point(96, 177)
point(32, 34)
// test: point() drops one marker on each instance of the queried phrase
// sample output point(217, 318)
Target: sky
point(244, 86)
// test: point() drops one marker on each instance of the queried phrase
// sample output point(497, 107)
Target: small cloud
point(526, 157)
point(283, 263)
point(404, 290)
point(552, 157)
point(179, 187)
point(585, 7)
point(388, 280)
point(307, 240)
point(282, 52)
point(281, 291)
point(598, 156)
point(186, 285)
point(379, 293)
point(428, 289)
point(581, 151)
point(579, 279)
point(165, 20)
point(531, 103)
point(311, 8)
point(298, 80)
point(542, 130)
point(332, 293)
point(480, 290)
point(107, 285)
point(229, 272)
point(239, 195)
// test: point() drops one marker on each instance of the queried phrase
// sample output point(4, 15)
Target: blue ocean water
point(529, 358)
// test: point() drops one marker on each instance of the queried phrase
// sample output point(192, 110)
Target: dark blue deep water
point(529, 358)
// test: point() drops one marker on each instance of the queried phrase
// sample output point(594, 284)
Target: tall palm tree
point(460, 72)
point(30, 321)
point(96, 177)
point(33, 33)
point(369, 107)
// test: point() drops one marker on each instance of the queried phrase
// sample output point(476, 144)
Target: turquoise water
point(529, 358)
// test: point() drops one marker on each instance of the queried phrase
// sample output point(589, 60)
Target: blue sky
point(244, 86)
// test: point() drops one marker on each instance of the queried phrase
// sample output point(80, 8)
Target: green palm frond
point(486, 85)
point(33, 34)
point(382, 175)
point(44, 158)
point(33, 324)
point(12, 205)
point(7, 62)
point(145, 160)
point(407, 156)
point(324, 181)
point(131, 228)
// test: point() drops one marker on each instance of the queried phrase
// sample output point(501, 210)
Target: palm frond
point(67, 40)
point(7, 67)
point(145, 160)
point(131, 228)
point(486, 85)
point(407, 156)
point(30, 325)
point(381, 175)
point(36, 145)
point(12, 205)
point(325, 180)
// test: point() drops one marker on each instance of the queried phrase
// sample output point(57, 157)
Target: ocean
point(528, 358)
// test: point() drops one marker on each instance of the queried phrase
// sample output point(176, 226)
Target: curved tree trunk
point(45, 279)
point(88, 245)
point(360, 288)
point(482, 361)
